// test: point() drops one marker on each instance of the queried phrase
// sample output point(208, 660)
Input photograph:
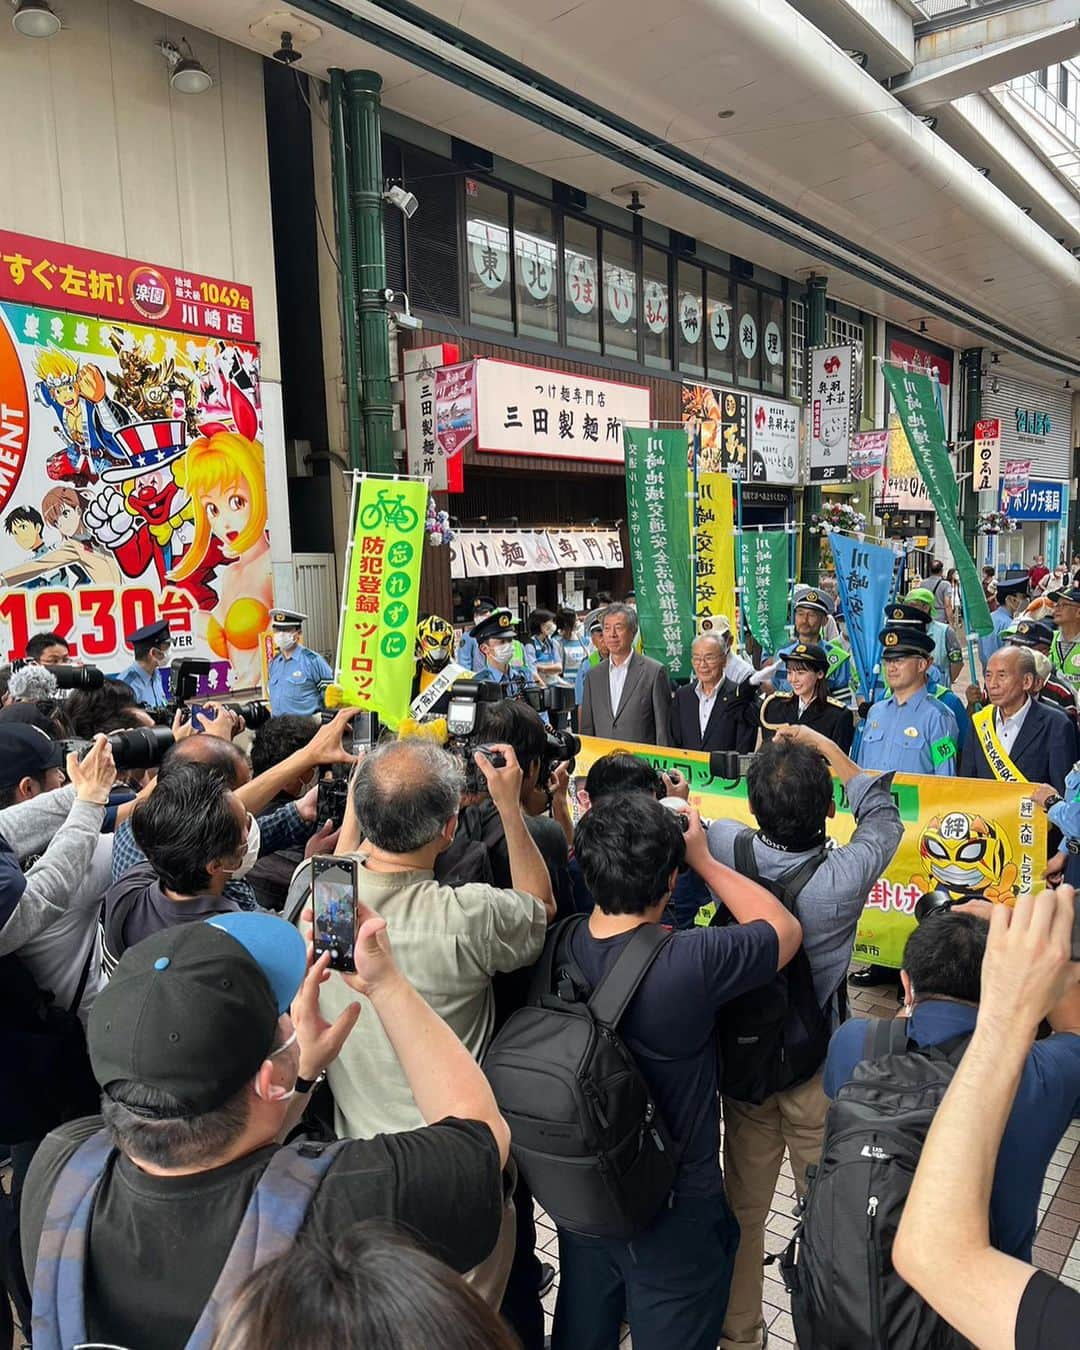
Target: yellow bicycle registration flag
point(378, 639)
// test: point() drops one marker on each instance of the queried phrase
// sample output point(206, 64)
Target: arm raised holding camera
point(528, 871)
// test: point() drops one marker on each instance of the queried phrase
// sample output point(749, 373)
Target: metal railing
point(1063, 120)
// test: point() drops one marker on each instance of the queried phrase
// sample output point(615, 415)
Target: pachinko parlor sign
point(132, 481)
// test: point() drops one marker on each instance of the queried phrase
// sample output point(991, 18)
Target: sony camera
point(139, 748)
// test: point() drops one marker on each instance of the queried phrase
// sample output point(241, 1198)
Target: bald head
point(407, 795)
point(214, 753)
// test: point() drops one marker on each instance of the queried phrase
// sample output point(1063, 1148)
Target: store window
point(580, 275)
point(487, 229)
point(690, 320)
point(656, 308)
point(536, 270)
point(772, 342)
point(719, 359)
point(797, 313)
point(747, 337)
point(620, 296)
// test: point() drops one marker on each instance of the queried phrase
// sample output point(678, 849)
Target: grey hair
point(32, 683)
point(721, 640)
point(1025, 661)
point(1043, 666)
point(404, 793)
point(627, 611)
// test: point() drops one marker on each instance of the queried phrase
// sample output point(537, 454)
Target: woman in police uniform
point(808, 703)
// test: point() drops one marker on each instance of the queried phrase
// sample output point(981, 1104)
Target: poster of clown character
point(132, 482)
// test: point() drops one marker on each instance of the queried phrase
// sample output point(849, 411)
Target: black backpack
point(845, 1293)
point(586, 1132)
point(45, 1074)
point(776, 1036)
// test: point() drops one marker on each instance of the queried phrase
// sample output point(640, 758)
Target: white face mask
point(501, 651)
point(285, 642)
point(251, 852)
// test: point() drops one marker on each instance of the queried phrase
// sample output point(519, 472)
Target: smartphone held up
point(333, 897)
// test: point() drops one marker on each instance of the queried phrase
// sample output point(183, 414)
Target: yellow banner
point(378, 639)
point(940, 848)
point(714, 550)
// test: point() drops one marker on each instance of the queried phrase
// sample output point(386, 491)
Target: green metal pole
point(816, 327)
point(339, 172)
point(363, 89)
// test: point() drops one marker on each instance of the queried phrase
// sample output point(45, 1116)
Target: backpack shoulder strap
point(59, 1317)
point(555, 947)
point(617, 988)
point(745, 862)
point(885, 1036)
point(275, 1212)
point(796, 883)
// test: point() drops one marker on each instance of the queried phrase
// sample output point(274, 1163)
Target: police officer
point(469, 654)
point(495, 638)
point(1065, 647)
point(910, 731)
point(151, 647)
point(904, 613)
point(1012, 597)
point(298, 676)
point(813, 609)
point(806, 665)
point(1038, 636)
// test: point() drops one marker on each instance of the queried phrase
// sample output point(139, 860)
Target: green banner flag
point(660, 548)
point(376, 659)
point(764, 556)
point(916, 402)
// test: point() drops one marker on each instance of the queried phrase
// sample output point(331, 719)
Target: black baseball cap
point(1029, 633)
point(192, 1010)
point(26, 752)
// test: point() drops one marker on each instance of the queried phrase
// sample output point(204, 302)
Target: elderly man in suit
point(627, 696)
point(714, 713)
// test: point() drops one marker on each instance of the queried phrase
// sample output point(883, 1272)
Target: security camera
point(406, 203)
point(408, 320)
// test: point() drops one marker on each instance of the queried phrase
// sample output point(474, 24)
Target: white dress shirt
point(616, 682)
point(706, 703)
point(1008, 728)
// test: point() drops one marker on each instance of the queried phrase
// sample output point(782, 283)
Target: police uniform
point(1065, 655)
point(1037, 633)
point(149, 690)
point(838, 672)
point(469, 654)
point(826, 715)
point(918, 736)
point(500, 623)
point(297, 680)
point(1001, 618)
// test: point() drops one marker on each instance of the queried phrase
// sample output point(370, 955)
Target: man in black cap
point(909, 731)
point(298, 677)
point(1012, 597)
point(496, 638)
point(1038, 637)
point(469, 653)
point(203, 1070)
point(1065, 647)
point(151, 647)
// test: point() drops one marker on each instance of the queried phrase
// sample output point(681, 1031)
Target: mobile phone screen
point(333, 896)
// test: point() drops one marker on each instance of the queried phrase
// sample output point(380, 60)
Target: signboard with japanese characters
point(487, 553)
point(1037, 500)
point(832, 400)
point(526, 410)
point(49, 275)
point(774, 441)
point(424, 452)
point(987, 454)
point(721, 418)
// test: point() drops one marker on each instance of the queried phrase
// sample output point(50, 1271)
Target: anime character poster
point(132, 488)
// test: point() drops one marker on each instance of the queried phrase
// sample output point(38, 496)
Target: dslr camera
point(466, 696)
point(139, 748)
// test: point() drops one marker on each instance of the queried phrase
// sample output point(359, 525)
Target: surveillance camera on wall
point(406, 203)
point(408, 320)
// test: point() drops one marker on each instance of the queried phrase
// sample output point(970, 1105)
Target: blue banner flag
point(864, 582)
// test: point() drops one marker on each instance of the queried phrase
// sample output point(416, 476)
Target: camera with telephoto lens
point(77, 677)
point(139, 748)
point(184, 676)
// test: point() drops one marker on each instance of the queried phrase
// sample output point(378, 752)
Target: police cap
point(905, 640)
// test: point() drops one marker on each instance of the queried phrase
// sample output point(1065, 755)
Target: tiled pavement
point(1057, 1242)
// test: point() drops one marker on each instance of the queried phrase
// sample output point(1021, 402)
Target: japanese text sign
point(59, 276)
point(455, 418)
point(868, 450)
point(1014, 479)
point(490, 553)
point(714, 551)
point(774, 441)
point(987, 454)
point(864, 584)
point(919, 408)
point(660, 556)
point(1037, 500)
point(929, 814)
point(378, 636)
point(764, 563)
point(720, 420)
point(525, 410)
point(425, 453)
point(832, 404)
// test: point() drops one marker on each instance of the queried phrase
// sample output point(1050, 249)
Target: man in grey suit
point(627, 696)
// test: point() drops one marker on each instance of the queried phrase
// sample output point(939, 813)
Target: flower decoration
point(996, 522)
point(837, 515)
point(437, 525)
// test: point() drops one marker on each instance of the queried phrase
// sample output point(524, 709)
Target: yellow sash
point(1001, 765)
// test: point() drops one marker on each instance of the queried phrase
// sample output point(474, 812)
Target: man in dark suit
point(627, 696)
point(712, 713)
point(1016, 738)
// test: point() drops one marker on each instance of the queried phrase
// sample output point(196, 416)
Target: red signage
point(60, 276)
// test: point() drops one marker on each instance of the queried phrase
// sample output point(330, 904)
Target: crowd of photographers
point(216, 1139)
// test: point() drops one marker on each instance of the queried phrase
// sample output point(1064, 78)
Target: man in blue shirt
point(298, 677)
point(151, 648)
point(469, 654)
point(813, 611)
point(1012, 597)
point(941, 977)
point(909, 731)
point(495, 638)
